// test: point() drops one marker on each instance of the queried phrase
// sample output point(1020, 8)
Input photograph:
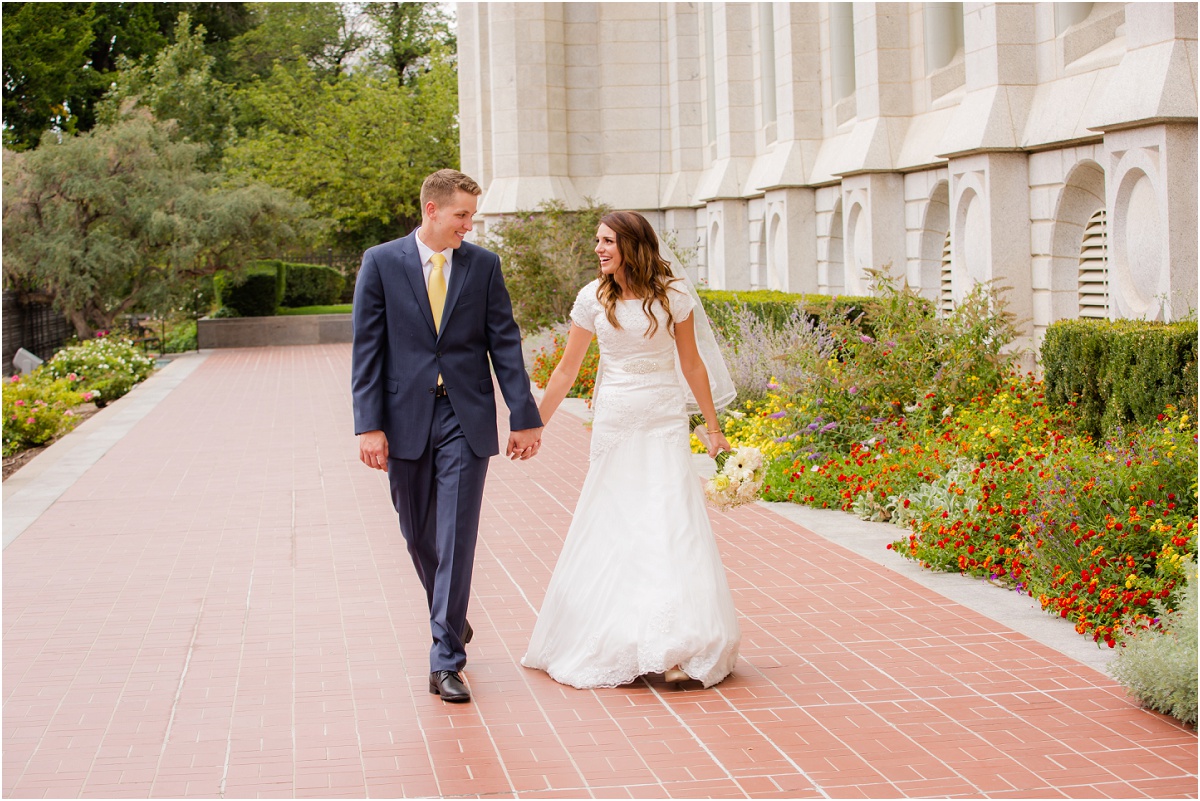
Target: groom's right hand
point(373, 449)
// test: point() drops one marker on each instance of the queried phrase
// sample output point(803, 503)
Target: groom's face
point(446, 224)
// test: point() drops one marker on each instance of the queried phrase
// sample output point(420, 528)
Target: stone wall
point(795, 145)
point(253, 332)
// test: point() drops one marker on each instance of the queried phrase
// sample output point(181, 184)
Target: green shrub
point(1158, 665)
point(547, 255)
point(311, 285)
point(107, 367)
point(775, 308)
point(37, 409)
point(180, 338)
point(255, 292)
point(1121, 372)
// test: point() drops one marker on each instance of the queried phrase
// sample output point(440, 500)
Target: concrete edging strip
point(30, 491)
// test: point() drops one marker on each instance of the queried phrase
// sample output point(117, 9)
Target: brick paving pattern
point(222, 606)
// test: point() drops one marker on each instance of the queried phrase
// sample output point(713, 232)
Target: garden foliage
point(37, 409)
point(122, 219)
point(256, 292)
point(1120, 372)
point(921, 420)
point(1158, 665)
point(106, 367)
point(311, 285)
point(775, 308)
point(547, 358)
point(547, 256)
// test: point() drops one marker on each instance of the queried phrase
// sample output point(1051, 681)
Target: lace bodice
point(638, 388)
point(629, 342)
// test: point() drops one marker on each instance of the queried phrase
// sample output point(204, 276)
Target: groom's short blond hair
point(441, 186)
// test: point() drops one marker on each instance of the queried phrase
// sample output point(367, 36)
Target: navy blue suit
point(438, 447)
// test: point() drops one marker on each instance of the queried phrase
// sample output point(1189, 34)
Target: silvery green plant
point(1158, 665)
point(757, 352)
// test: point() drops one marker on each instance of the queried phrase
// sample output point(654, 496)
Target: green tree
point(356, 148)
point(177, 84)
point(118, 219)
point(46, 49)
point(59, 58)
point(324, 35)
point(408, 34)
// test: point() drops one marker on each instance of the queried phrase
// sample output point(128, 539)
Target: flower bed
point(40, 407)
point(1097, 531)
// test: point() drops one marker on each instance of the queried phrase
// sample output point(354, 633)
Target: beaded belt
point(641, 366)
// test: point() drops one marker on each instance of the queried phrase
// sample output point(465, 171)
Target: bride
point(639, 587)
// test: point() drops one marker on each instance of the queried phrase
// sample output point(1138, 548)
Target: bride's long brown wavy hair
point(647, 274)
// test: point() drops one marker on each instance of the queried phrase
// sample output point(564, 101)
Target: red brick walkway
point(223, 606)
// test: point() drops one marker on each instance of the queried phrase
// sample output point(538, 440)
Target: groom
point(430, 310)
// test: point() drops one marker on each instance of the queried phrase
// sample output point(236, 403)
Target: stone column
point(873, 228)
point(528, 93)
point(1152, 221)
point(990, 232)
point(474, 93)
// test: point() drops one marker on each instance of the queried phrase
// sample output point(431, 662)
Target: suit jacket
point(397, 353)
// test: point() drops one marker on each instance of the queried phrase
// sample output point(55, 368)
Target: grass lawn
point(341, 308)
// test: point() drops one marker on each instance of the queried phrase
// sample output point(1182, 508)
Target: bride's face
point(607, 250)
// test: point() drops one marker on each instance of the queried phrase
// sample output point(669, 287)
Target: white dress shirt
point(425, 252)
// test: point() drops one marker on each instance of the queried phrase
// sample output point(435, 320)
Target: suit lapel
point(410, 259)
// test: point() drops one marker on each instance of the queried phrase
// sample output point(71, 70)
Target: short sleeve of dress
point(682, 302)
point(583, 313)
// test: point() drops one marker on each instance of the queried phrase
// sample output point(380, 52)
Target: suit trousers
point(438, 497)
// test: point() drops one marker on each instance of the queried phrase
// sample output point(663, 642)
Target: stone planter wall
point(255, 332)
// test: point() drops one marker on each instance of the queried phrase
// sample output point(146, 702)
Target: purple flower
point(779, 415)
point(772, 385)
point(812, 426)
point(868, 340)
point(829, 427)
point(853, 390)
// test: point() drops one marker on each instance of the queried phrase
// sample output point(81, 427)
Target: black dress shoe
point(449, 685)
point(468, 633)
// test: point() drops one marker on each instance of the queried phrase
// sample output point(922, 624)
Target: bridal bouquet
point(738, 480)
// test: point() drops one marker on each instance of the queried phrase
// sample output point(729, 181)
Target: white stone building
point(1050, 146)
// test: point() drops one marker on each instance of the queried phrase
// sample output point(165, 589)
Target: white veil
point(723, 390)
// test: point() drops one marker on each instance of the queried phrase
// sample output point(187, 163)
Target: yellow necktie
point(437, 288)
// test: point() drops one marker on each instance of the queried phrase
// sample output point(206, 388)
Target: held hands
point(373, 449)
point(524, 444)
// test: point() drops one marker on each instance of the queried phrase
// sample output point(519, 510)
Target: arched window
point(946, 297)
point(1093, 268)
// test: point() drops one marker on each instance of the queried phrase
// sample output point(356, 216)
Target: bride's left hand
point(716, 444)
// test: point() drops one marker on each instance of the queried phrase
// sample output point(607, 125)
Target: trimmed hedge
point(775, 307)
point(1119, 372)
point(311, 285)
point(255, 292)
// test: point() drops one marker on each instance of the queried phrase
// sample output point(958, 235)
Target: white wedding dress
point(639, 586)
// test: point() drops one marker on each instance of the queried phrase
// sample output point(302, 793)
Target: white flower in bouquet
point(738, 479)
